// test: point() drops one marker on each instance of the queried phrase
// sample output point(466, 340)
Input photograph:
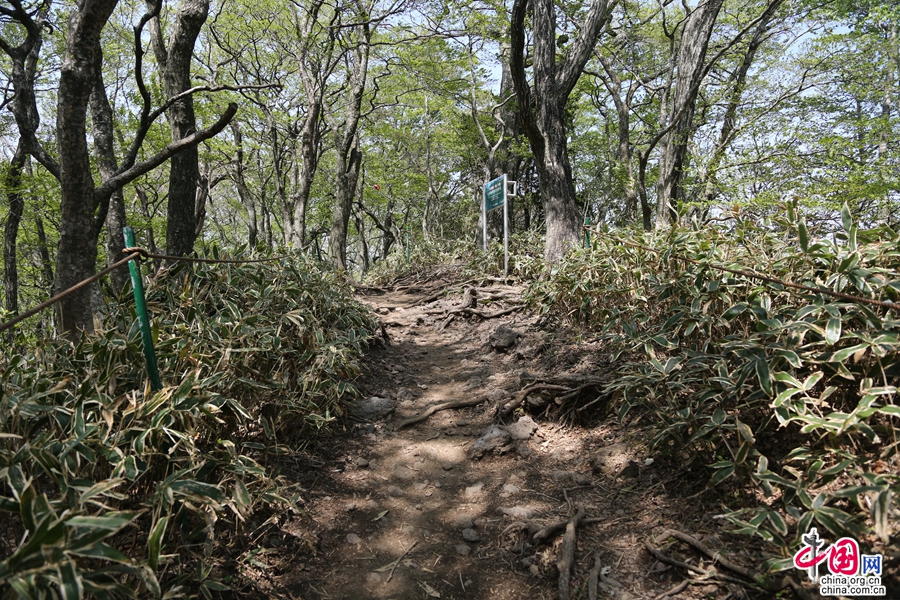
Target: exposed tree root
point(567, 554)
point(753, 579)
point(484, 315)
point(520, 396)
point(569, 385)
point(439, 407)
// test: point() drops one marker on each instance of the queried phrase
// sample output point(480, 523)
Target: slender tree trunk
point(347, 175)
point(102, 121)
point(16, 202)
point(729, 120)
point(349, 157)
point(691, 56)
point(44, 253)
point(239, 181)
point(308, 158)
point(184, 170)
point(363, 244)
point(145, 212)
point(287, 212)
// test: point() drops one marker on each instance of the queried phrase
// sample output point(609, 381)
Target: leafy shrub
point(120, 492)
point(791, 390)
point(526, 260)
point(421, 255)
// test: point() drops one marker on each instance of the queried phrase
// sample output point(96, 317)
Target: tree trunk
point(310, 143)
point(145, 212)
point(44, 253)
point(690, 65)
point(184, 170)
point(349, 157)
point(345, 189)
point(241, 184)
point(77, 255)
point(102, 120)
point(16, 201)
point(543, 111)
point(729, 121)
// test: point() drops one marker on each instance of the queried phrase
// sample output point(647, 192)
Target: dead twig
point(391, 567)
point(438, 407)
point(538, 534)
point(567, 554)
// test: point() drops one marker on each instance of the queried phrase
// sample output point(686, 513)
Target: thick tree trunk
point(77, 255)
point(16, 202)
point(102, 121)
point(184, 170)
point(690, 70)
point(543, 110)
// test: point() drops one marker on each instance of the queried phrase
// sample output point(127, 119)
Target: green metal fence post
point(140, 306)
point(587, 245)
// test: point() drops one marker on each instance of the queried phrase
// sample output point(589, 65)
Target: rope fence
point(133, 253)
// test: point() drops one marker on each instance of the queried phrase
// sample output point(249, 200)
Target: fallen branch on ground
point(393, 565)
point(562, 383)
point(567, 554)
point(439, 407)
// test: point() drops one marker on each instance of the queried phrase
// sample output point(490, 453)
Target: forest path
point(406, 513)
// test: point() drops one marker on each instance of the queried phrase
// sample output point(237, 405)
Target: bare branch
point(125, 177)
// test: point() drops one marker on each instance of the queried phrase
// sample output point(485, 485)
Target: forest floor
point(409, 512)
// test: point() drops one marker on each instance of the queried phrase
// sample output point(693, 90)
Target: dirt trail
point(407, 513)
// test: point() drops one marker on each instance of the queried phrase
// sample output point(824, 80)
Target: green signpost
point(495, 196)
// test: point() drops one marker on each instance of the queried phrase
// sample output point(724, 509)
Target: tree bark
point(690, 70)
point(77, 255)
point(44, 253)
point(349, 157)
point(317, 60)
point(347, 164)
point(543, 110)
point(243, 192)
point(729, 120)
point(184, 170)
point(102, 121)
point(16, 202)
